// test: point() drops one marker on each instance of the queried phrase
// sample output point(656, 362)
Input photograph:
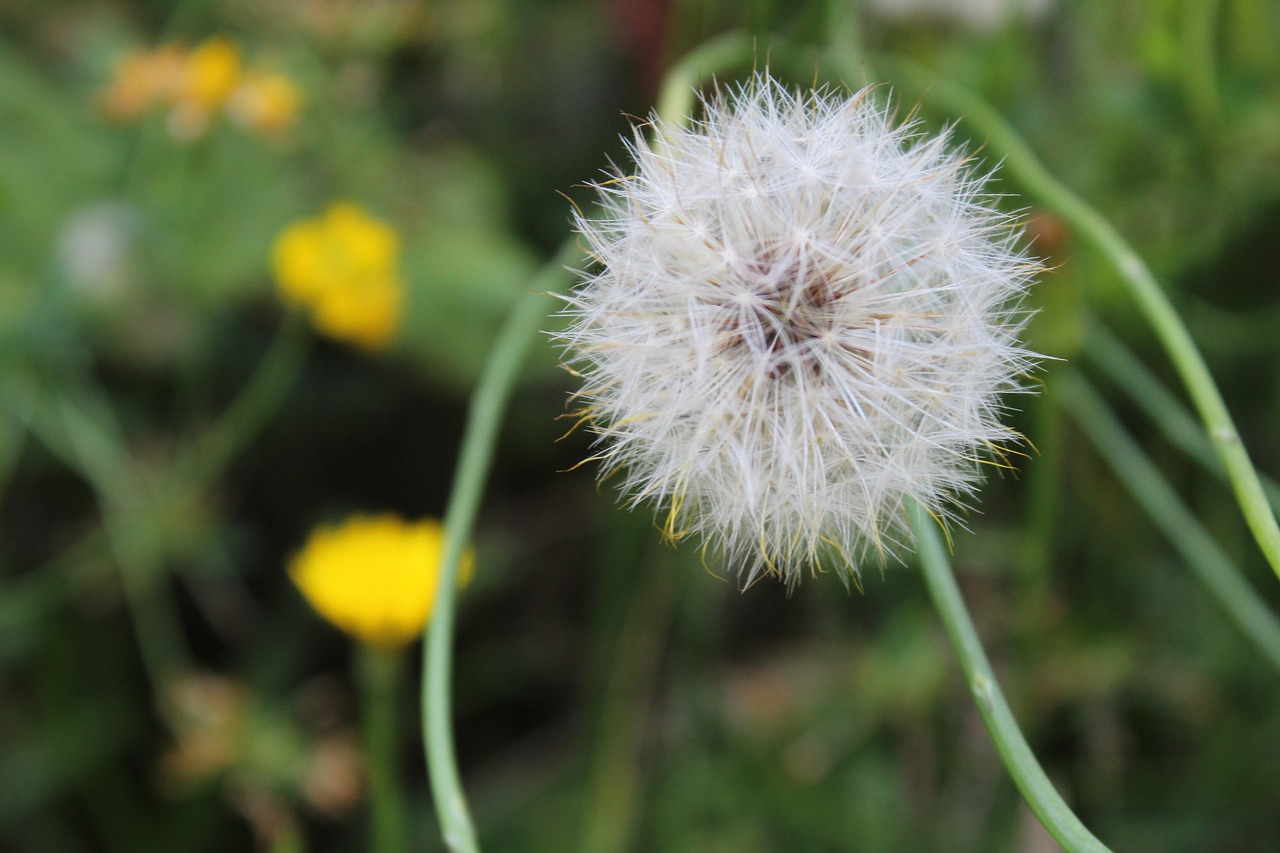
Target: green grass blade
point(1153, 493)
point(488, 403)
point(1016, 754)
point(1094, 228)
point(1112, 357)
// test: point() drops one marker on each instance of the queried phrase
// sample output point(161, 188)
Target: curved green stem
point(1220, 576)
point(1252, 332)
point(257, 401)
point(485, 415)
point(1199, 67)
point(29, 598)
point(12, 438)
point(77, 426)
point(675, 103)
point(632, 625)
point(679, 87)
point(1027, 773)
point(1113, 358)
point(1094, 229)
point(379, 671)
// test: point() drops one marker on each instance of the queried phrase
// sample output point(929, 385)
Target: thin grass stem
point(680, 85)
point(1094, 228)
point(1214, 569)
point(379, 672)
point(488, 403)
point(1109, 354)
point(1199, 68)
point(80, 430)
point(635, 634)
point(1017, 756)
point(257, 401)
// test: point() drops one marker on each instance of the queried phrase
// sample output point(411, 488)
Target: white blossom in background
point(97, 252)
point(802, 316)
point(976, 15)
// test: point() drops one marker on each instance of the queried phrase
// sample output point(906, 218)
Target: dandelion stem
point(1098, 232)
point(12, 438)
point(1200, 64)
point(678, 94)
point(258, 400)
point(1220, 576)
point(634, 635)
point(485, 415)
point(1027, 773)
point(380, 679)
point(1117, 361)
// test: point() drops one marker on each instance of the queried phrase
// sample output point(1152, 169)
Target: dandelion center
point(788, 313)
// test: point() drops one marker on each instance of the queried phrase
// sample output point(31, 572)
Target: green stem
point(1210, 563)
point(1095, 230)
point(31, 596)
point(258, 399)
point(79, 428)
point(487, 406)
point(12, 438)
point(379, 671)
point(161, 641)
point(1044, 494)
point(1113, 358)
point(679, 87)
point(636, 634)
point(844, 28)
point(1199, 65)
point(1027, 773)
point(843, 56)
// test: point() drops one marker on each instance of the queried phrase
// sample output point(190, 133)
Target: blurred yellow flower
point(374, 576)
point(343, 267)
point(266, 103)
point(211, 72)
point(142, 80)
point(199, 84)
point(209, 76)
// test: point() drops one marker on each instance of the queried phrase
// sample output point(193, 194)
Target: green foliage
point(170, 431)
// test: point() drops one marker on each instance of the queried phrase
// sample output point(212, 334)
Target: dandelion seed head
point(802, 316)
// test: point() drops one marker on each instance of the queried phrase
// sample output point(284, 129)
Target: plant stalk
point(1028, 775)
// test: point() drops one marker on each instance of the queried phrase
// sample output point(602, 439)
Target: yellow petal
point(374, 577)
point(343, 267)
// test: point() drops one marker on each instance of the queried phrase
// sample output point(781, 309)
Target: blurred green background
point(165, 686)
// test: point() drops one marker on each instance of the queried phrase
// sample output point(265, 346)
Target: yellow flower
point(343, 267)
point(265, 102)
point(142, 80)
point(374, 577)
point(198, 85)
point(210, 74)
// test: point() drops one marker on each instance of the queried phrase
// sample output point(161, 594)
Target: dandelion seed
point(802, 318)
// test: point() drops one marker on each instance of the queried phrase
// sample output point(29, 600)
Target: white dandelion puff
point(802, 317)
